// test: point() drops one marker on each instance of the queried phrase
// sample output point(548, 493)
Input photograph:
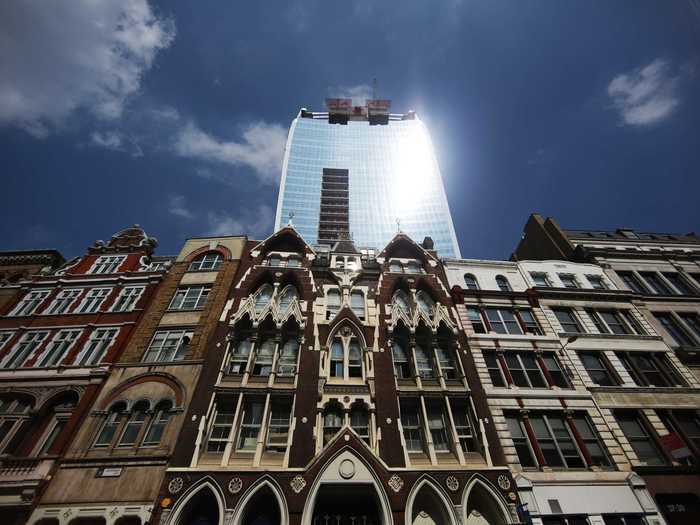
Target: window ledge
point(586, 335)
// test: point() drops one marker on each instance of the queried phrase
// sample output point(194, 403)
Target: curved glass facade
point(394, 181)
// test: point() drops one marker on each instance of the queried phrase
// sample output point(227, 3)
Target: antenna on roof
point(374, 89)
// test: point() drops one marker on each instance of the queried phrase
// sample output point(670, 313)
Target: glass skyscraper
point(375, 172)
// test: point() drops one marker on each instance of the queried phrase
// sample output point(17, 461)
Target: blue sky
point(174, 116)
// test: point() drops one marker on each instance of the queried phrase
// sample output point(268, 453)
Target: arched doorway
point(428, 508)
point(201, 509)
point(346, 504)
point(482, 507)
point(262, 509)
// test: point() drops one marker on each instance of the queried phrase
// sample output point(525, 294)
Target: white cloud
point(58, 57)
point(177, 205)
point(646, 95)
point(257, 224)
point(358, 93)
point(261, 148)
point(108, 139)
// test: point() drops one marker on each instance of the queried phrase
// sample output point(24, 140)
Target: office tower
point(393, 178)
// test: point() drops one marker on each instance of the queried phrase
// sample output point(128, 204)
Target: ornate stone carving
point(503, 482)
point(297, 484)
point(175, 485)
point(396, 483)
point(452, 483)
point(346, 469)
point(235, 485)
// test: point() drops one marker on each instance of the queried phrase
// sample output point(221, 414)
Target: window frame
point(183, 296)
point(29, 303)
point(151, 355)
point(45, 356)
point(107, 264)
point(92, 304)
point(570, 312)
point(198, 263)
point(61, 304)
point(19, 354)
point(470, 281)
point(85, 357)
point(503, 283)
point(569, 280)
point(128, 298)
point(604, 366)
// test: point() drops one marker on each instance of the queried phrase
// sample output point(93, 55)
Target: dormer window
point(107, 264)
point(395, 267)
point(275, 260)
point(412, 267)
point(293, 262)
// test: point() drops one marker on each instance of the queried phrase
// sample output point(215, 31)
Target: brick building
point(112, 470)
point(338, 389)
point(650, 396)
point(59, 334)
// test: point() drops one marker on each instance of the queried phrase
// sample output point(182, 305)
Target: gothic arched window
point(288, 295)
point(262, 297)
point(337, 359)
point(425, 303)
point(401, 301)
point(346, 357)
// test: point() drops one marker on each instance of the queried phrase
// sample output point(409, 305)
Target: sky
point(174, 115)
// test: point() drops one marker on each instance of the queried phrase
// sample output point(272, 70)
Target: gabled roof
point(403, 246)
point(286, 239)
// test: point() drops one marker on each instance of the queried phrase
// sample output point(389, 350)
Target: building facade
point(59, 335)
point(343, 391)
point(652, 392)
point(363, 170)
point(113, 469)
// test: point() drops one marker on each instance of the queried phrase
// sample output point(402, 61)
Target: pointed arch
point(364, 473)
point(206, 487)
point(480, 496)
point(428, 497)
point(262, 484)
point(352, 325)
point(285, 239)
